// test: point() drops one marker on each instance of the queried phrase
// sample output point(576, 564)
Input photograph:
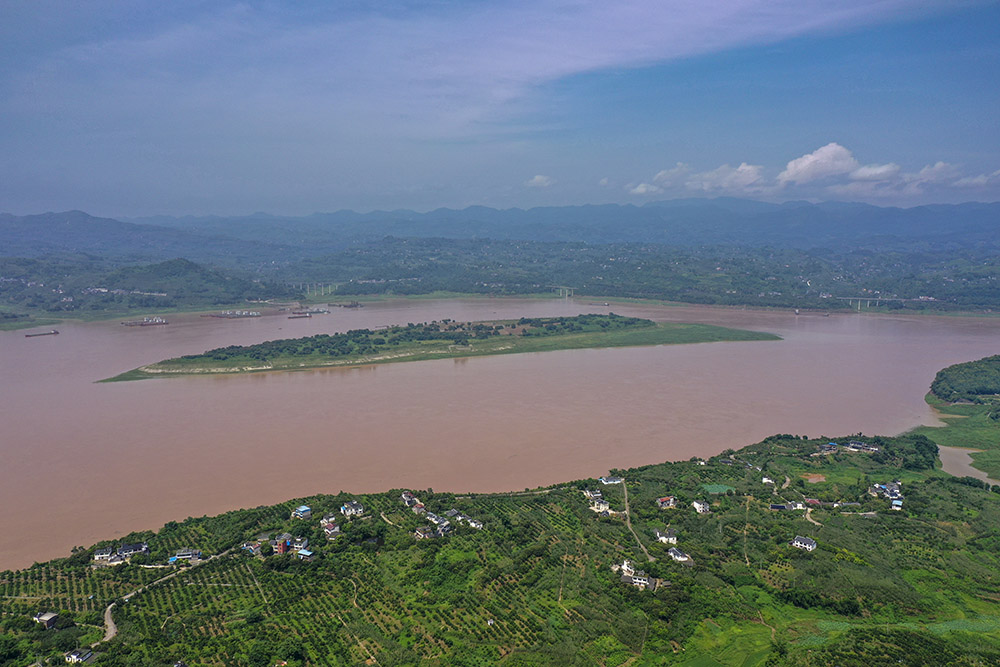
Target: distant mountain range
point(682, 222)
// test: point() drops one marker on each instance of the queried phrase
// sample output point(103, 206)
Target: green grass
point(967, 425)
point(658, 334)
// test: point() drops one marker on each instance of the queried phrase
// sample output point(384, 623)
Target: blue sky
point(215, 107)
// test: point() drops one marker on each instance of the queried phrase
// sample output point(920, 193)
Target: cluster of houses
point(890, 490)
point(597, 502)
point(112, 556)
point(851, 446)
point(124, 552)
point(441, 524)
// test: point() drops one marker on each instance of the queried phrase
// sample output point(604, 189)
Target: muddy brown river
point(81, 461)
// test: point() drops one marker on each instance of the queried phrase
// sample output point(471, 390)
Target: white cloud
point(940, 172)
point(673, 175)
point(603, 182)
point(644, 189)
point(830, 160)
point(875, 172)
point(978, 181)
point(539, 181)
point(744, 178)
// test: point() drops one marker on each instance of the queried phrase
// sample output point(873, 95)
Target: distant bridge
point(564, 292)
point(877, 299)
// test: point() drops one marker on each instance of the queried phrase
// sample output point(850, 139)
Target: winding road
point(110, 629)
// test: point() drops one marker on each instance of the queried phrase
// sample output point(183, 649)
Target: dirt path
point(746, 527)
point(788, 480)
point(810, 519)
point(386, 519)
point(628, 523)
point(254, 576)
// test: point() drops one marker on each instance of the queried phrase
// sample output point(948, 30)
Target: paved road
point(110, 629)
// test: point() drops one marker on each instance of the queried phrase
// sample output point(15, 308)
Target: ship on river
point(145, 322)
point(42, 333)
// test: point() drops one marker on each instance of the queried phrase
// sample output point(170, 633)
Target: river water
point(81, 461)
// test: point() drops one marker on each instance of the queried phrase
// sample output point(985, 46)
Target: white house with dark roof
point(611, 480)
point(701, 507)
point(352, 508)
point(678, 555)
point(668, 537)
point(127, 550)
point(804, 543)
point(104, 553)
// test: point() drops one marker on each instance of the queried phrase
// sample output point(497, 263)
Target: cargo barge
point(145, 322)
point(43, 333)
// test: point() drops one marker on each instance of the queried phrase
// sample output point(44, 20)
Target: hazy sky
point(135, 108)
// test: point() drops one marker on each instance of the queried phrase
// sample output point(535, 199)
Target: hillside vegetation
point(975, 381)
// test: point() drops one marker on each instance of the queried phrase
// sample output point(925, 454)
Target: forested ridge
point(976, 381)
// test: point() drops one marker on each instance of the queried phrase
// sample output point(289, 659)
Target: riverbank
point(382, 351)
point(970, 434)
point(48, 319)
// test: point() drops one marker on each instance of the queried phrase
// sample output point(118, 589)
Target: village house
point(611, 480)
point(252, 547)
point(638, 579)
point(187, 554)
point(627, 567)
point(593, 495)
point(600, 505)
point(47, 619)
point(804, 543)
point(330, 527)
point(897, 505)
point(666, 502)
point(352, 508)
point(701, 507)
point(423, 533)
point(408, 499)
point(669, 537)
point(79, 655)
point(419, 508)
point(302, 512)
point(475, 523)
point(128, 550)
point(778, 507)
point(305, 554)
point(300, 543)
point(104, 553)
point(678, 555)
point(766, 480)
